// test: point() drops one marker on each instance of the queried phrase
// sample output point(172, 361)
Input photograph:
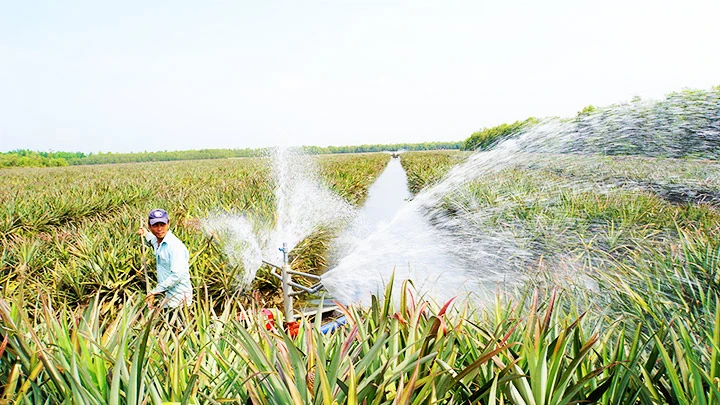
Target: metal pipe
point(287, 298)
point(285, 254)
point(313, 289)
point(272, 265)
point(308, 275)
point(297, 273)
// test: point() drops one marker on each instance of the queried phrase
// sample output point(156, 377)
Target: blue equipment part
point(331, 326)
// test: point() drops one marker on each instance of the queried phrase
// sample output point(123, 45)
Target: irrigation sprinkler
point(289, 286)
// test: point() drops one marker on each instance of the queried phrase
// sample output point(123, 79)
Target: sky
point(132, 76)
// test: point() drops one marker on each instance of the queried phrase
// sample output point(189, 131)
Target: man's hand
point(150, 299)
point(142, 231)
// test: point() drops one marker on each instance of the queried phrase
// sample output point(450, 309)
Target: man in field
point(173, 268)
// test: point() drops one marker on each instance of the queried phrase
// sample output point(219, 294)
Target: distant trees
point(383, 147)
point(105, 158)
point(586, 111)
point(24, 157)
point(27, 158)
point(487, 138)
point(44, 159)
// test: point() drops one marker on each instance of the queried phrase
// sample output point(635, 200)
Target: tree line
point(383, 147)
point(28, 158)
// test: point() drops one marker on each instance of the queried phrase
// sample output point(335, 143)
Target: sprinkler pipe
point(289, 289)
point(291, 326)
point(286, 288)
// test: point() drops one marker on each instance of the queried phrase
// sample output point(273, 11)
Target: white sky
point(136, 76)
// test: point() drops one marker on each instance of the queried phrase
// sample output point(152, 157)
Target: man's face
point(159, 230)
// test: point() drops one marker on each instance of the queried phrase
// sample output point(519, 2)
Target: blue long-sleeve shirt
point(173, 269)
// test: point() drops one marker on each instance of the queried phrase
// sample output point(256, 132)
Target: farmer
point(173, 268)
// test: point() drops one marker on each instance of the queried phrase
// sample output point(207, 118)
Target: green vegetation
point(427, 168)
point(538, 348)
point(646, 333)
point(69, 233)
point(587, 110)
point(349, 179)
point(165, 156)
point(26, 158)
point(616, 303)
point(487, 138)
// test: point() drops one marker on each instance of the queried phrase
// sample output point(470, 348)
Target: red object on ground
point(269, 318)
point(292, 328)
